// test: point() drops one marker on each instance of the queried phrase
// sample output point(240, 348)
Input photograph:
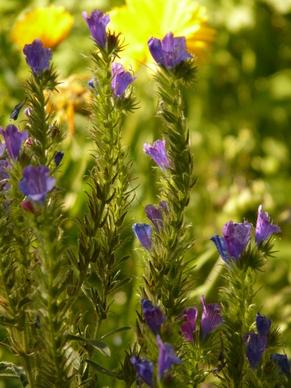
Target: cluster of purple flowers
point(154, 318)
point(97, 23)
point(166, 359)
point(144, 231)
point(210, 319)
point(256, 344)
point(36, 181)
point(13, 140)
point(236, 236)
point(168, 52)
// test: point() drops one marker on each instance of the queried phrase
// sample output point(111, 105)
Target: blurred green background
point(239, 119)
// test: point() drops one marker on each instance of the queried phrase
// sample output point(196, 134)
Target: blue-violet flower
point(121, 79)
point(13, 140)
point(167, 357)
point(144, 370)
point(36, 182)
point(58, 158)
point(97, 23)
point(234, 240)
point(157, 151)
point(189, 323)
point(211, 317)
point(37, 56)
point(263, 325)
point(282, 362)
point(16, 110)
point(154, 214)
point(153, 316)
point(255, 347)
point(144, 234)
point(264, 227)
point(169, 52)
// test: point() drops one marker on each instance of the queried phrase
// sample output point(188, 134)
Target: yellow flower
point(73, 97)
point(49, 24)
point(140, 20)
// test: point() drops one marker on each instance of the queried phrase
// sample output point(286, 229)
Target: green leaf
point(112, 332)
point(100, 368)
point(101, 346)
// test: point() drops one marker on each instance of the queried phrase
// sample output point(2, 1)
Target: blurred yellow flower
point(139, 20)
point(49, 24)
point(73, 97)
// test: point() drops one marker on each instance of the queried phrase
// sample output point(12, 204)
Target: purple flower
point(211, 317)
point(144, 234)
point(264, 227)
point(121, 79)
point(189, 324)
point(97, 23)
point(167, 357)
point(263, 325)
point(170, 51)
point(13, 140)
point(154, 214)
point(144, 370)
point(157, 151)
point(36, 182)
point(153, 316)
point(282, 362)
point(91, 83)
point(234, 241)
point(16, 110)
point(37, 56)
point(58, 158)
point(255, 347)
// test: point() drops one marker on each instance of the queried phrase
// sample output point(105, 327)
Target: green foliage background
point(239, 116)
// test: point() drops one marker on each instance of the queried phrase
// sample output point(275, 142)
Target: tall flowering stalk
point(44, 131)
point(98, 259)
point(51, 302)
point(246, 352)
point(166, 280)
point(36, 287)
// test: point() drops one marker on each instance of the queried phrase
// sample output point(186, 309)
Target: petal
point(221, 247)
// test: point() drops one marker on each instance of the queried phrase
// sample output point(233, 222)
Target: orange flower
point(49, 24)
